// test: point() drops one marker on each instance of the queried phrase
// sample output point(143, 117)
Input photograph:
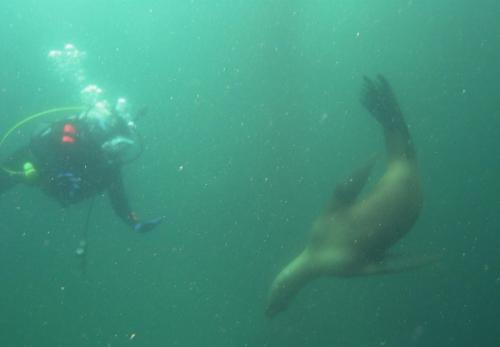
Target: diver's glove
point(147, 225)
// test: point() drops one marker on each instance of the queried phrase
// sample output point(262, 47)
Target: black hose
point(82, 249)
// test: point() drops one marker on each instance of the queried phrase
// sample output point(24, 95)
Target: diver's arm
point(119, 200)
point(121, 206)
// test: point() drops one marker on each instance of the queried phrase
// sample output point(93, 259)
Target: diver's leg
point(378, 98)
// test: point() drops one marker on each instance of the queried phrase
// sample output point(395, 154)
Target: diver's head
point(100, 116)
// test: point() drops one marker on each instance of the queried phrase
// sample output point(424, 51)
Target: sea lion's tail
point(379, 99)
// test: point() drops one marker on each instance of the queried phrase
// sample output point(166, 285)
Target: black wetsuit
point(71, 165)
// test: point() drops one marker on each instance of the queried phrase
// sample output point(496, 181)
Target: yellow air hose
point(28, 169)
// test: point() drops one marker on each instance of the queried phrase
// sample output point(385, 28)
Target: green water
point(254, 116)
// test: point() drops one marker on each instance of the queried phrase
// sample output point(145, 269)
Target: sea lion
point(351, 236)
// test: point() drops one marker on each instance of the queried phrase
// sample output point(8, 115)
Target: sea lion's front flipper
point(346, 192)
point(393, 264)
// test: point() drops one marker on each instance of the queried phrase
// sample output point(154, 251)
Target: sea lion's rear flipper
point(379, 99)
point(393, 264)
point(346, 192)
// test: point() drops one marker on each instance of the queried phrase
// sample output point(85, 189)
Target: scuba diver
point(79, 157)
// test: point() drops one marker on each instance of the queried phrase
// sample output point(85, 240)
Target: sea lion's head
point(278, 300)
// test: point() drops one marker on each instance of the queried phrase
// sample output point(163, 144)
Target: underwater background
point(254, 114)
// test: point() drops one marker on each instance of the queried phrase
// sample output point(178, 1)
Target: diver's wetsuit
point(71, 165)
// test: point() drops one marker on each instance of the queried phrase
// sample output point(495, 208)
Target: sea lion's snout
point(274, 307)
